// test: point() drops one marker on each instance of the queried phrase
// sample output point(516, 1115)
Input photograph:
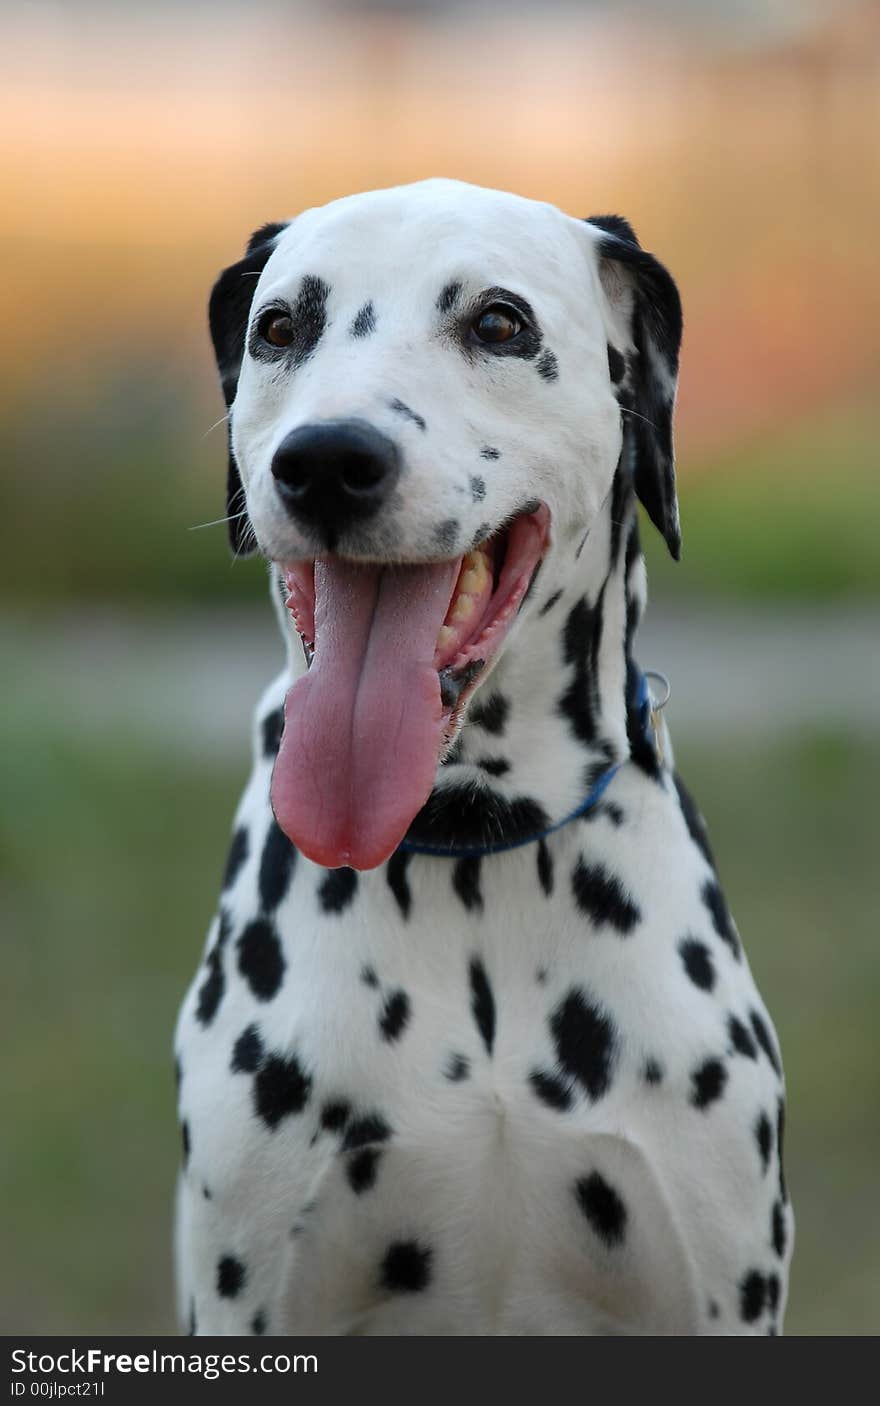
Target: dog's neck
point(552, 717)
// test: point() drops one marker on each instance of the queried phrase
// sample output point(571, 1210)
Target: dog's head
point(425, 388)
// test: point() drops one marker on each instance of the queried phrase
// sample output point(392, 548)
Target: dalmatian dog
point(474, 1047)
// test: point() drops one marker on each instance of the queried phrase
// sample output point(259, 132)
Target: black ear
point(645, 318)
point(228, 310)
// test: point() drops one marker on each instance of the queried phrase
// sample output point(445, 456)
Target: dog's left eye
point(276, 328)
point(496, 324)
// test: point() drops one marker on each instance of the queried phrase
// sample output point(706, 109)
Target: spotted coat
point(535, 1092)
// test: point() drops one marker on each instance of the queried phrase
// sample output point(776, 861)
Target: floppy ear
point(645, 331)
point(228, 309)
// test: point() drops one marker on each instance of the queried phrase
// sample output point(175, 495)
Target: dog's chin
point(395, 654)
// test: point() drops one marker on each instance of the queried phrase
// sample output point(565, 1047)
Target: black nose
point(335, 473)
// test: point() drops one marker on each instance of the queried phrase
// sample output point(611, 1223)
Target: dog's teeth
point(463, 608)
point(445, 637)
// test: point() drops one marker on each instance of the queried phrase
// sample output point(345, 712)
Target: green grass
point(791, 517)
point(111, 858)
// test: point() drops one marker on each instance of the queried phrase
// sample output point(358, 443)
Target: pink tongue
point(362, 729)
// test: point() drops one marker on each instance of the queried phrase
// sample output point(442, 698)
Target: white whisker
point(222, 420)
point(217, 520)
point(625, 411)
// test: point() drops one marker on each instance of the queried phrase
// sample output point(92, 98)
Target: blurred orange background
point(144, 145)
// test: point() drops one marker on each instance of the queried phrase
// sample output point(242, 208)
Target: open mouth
point(394, 654)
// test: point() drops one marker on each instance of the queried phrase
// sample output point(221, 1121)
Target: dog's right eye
point(276, 328)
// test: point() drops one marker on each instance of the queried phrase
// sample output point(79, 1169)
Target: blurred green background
point(144, 145)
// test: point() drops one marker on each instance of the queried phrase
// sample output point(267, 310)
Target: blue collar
point(639, 704)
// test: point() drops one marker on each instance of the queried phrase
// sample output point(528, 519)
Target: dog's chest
point(423, 1074)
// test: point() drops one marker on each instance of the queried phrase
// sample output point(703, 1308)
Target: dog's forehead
point(436, 229)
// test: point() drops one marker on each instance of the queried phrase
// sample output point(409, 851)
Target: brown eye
point(276, 328)
point(496, 324)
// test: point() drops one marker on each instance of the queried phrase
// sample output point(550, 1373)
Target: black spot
point(309, 317)
point(603, 898)
point(740, 1038)
point(694, 821)
point(762, 1035)
point(225, 928)
point(370, 1127)
point(698, 963)
point(365, 321)
point(495, 766)
point(406, 1267)
point(401, 408)
point(212, 988)
point(395, 875)
point(231, 1276)
point(640, 738)
point(258, 1323)
point(276, 867)
point(633, 598)
point(272, 727)
point(778, 1231)
point(602, 1207)
point(466, 882)
point(585, 1041)
point(467, 814)
point(335, 1115)
point(456, 1068)
point(238, 853)
point(185, 1142)
point(545, 867)
point(550, 602)
point(247, 1052)
point(652, 1072)
point(206, 1192)
point(547, 366)
point(481, 534)
point(581, 637)
point(178, 1073)
point(492, 714)
point(717, 905)
point(482, 1003)
point(708, 1081)
point(337, 890)
point(447, 299)
point(308, 313)
point(362, 1168)
point(752, 1296)
point(764, 1139)
point(713, 1310)
point(774, 1288)
point(369, 977)
point(478, 488)
point(551, 1089)
point(281, 1088)
point(193, 1328)
point(394, 1017)
point(489, 451)
point(616, 364)
point(259, 958)
point(780, 1137)
point(446, 534)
